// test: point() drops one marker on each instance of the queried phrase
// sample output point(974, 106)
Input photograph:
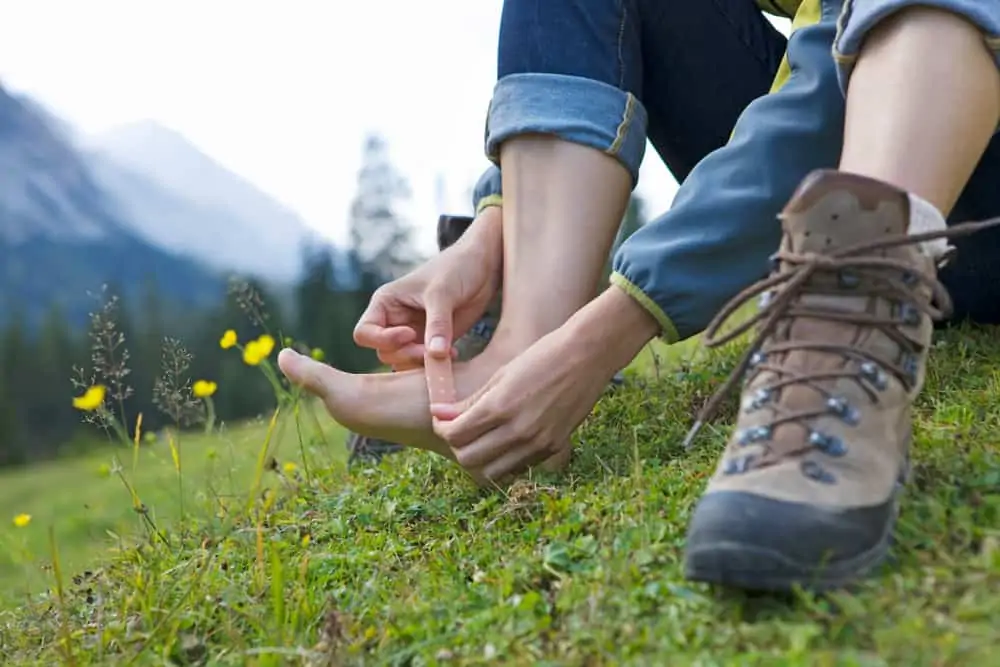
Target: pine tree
point(381, 239)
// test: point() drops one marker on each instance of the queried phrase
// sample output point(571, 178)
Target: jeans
point(737, 115)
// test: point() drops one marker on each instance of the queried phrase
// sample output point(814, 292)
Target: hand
point(527, 411)
point(438, 301)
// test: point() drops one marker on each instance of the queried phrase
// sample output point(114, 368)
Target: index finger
point(372, 330)
point(380, 337)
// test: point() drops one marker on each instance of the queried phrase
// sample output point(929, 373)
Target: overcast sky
point(281, 93)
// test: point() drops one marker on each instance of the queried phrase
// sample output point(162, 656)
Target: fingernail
point(437, 344)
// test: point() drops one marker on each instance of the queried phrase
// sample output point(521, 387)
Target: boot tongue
point(830, 211)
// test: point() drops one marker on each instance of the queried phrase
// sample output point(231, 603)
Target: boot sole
point(754, 568)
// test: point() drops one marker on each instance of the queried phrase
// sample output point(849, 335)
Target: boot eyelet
point(911, 366)
point(815, 471)
point(848, 279)
point(738, 465)
point(765, 299)
point(844, 410)
point(756, 359)
point(909, 315)
point(774, 261)
point(828, 444)
point(871, 372)
point(910, 278)
point(753, 434)
point(758, 400)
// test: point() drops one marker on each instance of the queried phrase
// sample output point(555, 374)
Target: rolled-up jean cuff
point(858, 17)
point(573, 108)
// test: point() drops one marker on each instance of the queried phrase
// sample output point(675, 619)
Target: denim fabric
point(717, 237)
point(684, 270)
point(612, 73)
point(696, 68)
point(860, 16)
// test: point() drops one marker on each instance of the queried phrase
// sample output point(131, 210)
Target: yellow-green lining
point(487, 201)
point(668, 332)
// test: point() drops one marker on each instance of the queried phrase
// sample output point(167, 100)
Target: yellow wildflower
point(22, 520)
point(228, 339)
point(204, 388)
point(258, 350)
point(266, 345)
point(290, 468)
point(91, 399)
point(251, 354)
point(317, 354)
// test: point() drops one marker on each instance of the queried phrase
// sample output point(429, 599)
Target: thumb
point(464, 421)
point(306, 372)
point(438, 332)
point(447, 412)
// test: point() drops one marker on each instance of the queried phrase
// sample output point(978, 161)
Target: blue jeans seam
point(623, 126)
point(621, 44)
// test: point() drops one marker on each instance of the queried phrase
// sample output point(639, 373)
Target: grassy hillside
point(409, 564)
point(87, 504)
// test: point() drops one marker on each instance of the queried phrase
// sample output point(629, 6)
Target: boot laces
point(888, 278)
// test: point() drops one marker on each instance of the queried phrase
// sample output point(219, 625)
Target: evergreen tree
point(381, 240)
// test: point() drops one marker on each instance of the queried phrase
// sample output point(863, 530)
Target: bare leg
point(916, 118)
point(574, 70)
point(563, 203)
point(922, 105)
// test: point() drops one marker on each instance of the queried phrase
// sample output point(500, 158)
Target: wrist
point(612, 329)
point(487, 226)
point(486, 235)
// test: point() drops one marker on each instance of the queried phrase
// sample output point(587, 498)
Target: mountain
point(177, 197)
point(62, 233)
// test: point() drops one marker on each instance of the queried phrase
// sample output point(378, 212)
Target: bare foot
point(392, 406)
point(388, 406)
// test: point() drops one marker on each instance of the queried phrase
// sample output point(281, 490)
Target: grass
point(408, 564)
point(88, 505)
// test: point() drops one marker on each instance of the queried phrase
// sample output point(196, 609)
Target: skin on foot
point(392, 406)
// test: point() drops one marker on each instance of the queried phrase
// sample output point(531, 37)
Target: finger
point(560, 460)
point(516, 460)
point(399, 368)
point(439, 307)
point(440, 379)
point(411, 355)
point(461, 423)
point(378, 337)
point(491, 446)
point(372, 330)
point(315, 377)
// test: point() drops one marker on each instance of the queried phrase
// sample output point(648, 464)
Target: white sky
point(282, 93)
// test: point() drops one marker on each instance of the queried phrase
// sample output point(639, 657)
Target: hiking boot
point(363, 448)
point(805, 493)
